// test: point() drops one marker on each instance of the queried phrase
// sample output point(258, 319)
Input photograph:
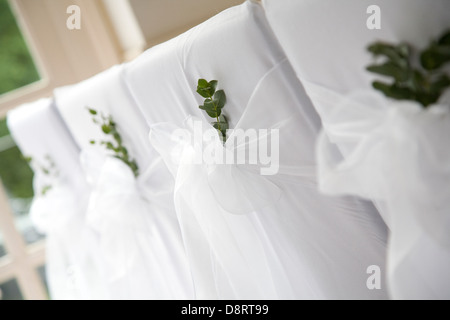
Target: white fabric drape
point(72, 269)
point(396, 153)
point(189, 230)
point(253, 236)
point(138, 236)
point(235, 47)
point(238, 44)
point(366, 142)
point(325, 41)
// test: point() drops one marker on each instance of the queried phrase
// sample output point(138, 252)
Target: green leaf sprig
point(417, 76)
point(49, 169)
point(109, 127)
point(214, 103)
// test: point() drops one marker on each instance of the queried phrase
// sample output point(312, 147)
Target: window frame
point(22, 260)
point(51, 45)
point(55, 49)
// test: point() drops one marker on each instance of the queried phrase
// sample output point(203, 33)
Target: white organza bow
point(117, 211)
point(52, 211)
point(236, 188)
point(60, 213)
point(221, 205)
point(395, 153)
point(138, 238)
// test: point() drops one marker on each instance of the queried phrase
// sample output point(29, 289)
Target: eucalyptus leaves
point(417, 76)
point(109, 128)
point(213, 105)
point(48, 168)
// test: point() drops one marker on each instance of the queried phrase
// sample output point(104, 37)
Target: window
point(38, 53)
point(21, 260)
point(2, 246)
point(17, 178)
point(61, 56)
point(21, 248)
point(17, 67)
point(9, 290)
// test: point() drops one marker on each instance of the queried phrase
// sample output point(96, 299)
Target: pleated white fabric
point(72, 271)
point(370, 147)
point(138, 236)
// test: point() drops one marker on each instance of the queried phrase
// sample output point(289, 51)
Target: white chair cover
point(71, 267)
point(291, 242)
point(139, 237)
point(326, 43)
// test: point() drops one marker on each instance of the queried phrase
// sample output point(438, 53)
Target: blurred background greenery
point(16, 65)
point(15, 173)
point(17, 69)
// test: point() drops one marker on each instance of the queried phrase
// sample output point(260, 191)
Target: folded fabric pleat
point(395, 152)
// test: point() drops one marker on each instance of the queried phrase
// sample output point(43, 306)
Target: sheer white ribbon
point(72, 271)
point(397, 154)
point(250, 236)
point(218, 197)
point(219, 205)
point(52, 211)
point(138, 239)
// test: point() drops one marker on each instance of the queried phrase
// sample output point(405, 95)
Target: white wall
point(161, 20)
